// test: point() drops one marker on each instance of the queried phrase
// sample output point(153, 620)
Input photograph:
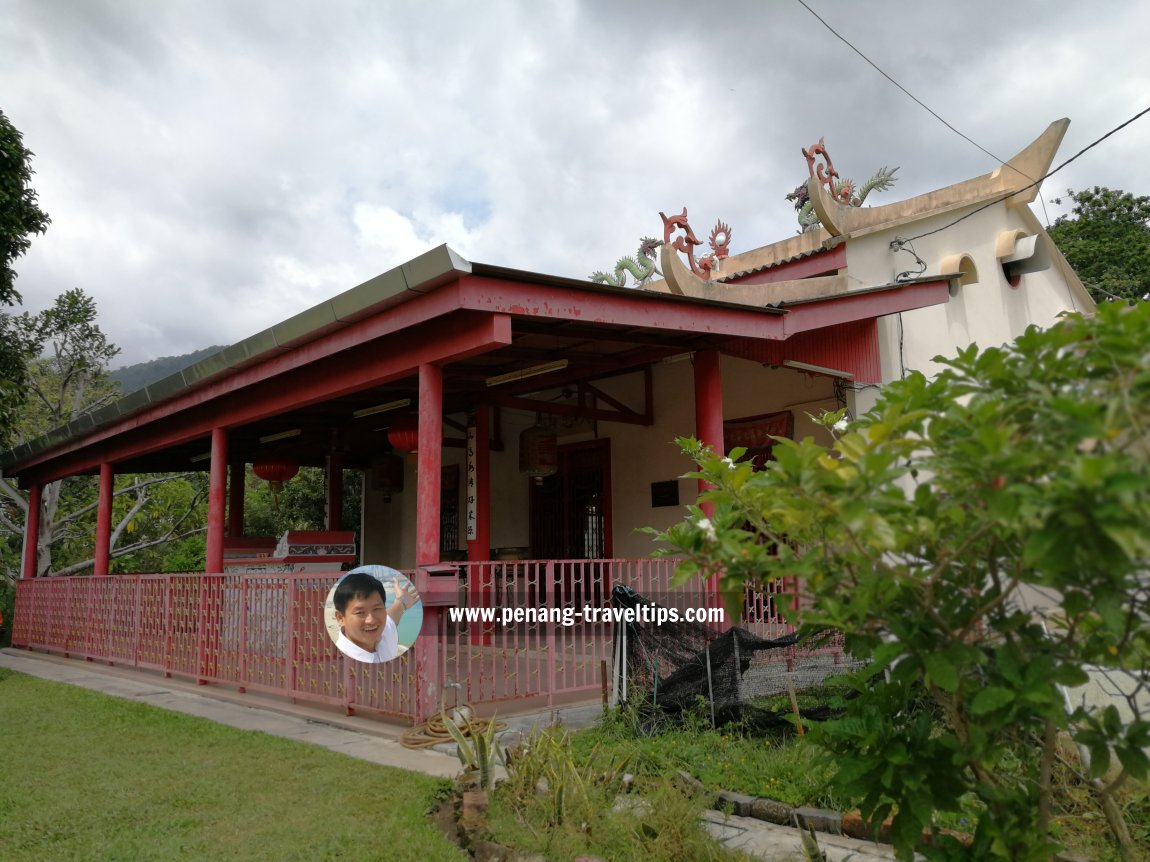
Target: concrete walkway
point(364, 738)
point(378, 742)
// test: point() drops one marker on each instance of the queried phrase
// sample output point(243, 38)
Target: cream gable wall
point(988, 313)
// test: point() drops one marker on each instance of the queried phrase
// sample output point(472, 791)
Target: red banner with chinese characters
point(755, 433)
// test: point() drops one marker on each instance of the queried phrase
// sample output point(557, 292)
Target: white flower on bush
point(841, 425)
point(708, 529)
point(729, 463)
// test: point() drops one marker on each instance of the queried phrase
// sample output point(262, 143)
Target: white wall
point(989, 313)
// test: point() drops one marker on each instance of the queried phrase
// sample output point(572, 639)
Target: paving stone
point(736, 803)
point(820, 819)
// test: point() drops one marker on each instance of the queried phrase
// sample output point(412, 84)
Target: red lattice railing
point(266, 632)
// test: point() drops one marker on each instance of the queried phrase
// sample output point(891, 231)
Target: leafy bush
point(981, 537)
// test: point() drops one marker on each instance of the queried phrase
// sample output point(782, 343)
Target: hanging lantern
point(387, 475)
point(403, 433)
point(276, 471)
point(538, 452)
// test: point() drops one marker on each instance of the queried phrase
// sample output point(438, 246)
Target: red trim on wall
point(639, 308)
point(864, 305)
point(852, 347)
point(826, 262)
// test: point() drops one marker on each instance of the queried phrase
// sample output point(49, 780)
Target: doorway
point(571, 520)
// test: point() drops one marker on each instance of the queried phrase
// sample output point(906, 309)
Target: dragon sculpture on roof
point(841, 190)
point(642, 266)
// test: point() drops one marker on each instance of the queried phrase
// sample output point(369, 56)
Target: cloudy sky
point(214, 166)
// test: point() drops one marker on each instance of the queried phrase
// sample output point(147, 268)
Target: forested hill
point(133, 377)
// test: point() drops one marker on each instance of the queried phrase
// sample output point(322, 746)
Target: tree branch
point(128, 549)
point(142, 498)
point(14, 495)
point(85, 509)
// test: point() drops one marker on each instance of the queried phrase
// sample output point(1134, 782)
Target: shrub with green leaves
point(982, 539)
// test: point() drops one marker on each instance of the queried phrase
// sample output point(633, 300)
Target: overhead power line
point(916, 100)
point(900, 241)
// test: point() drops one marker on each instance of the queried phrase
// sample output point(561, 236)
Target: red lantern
point(403, 433)
point(538, 452)
point(276, 471)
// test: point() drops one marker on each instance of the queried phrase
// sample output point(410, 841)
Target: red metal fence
point(266, 632)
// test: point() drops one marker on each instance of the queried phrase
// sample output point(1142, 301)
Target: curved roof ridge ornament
point(1022, 170)
point(829, 177)
point(719, 241)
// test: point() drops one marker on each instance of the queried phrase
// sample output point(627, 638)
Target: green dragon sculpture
point(841, 190)
point(642, 266)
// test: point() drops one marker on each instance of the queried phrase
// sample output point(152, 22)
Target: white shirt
point(385, 650)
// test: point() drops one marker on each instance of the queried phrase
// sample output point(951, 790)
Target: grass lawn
point(792, 770)
point(84, 776)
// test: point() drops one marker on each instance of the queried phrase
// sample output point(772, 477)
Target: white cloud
point(213, 167)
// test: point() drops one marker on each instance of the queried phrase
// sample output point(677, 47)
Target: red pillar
point(709, 424)
point(217, 497)
point(103, 521)
point(428, 650)
point(32, 531)
point(708, 406)
point(430, 464)
point(335, 491)
point(237, 475)
point(479, 486)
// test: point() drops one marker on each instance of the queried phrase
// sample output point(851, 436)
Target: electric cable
point(899, 241)
point(914, 98)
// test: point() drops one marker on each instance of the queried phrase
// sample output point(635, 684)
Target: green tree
point(68, 378)
point(932, 533)
point(1106, 238)
point(301, 504)
point(20, 218)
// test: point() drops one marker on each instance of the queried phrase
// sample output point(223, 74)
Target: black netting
point(736, 676)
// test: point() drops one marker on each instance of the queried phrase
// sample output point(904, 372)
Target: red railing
point(266, 632)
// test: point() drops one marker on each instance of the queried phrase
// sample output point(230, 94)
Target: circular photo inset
point(373, 614)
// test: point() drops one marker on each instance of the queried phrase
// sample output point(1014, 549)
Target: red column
point(217, 497)
point(237, 475)
point(428, 650)
point(479, 484)
point(709, 424)
point(335, 491)
point(708, 405)
point(32, 531)
point(429, 465)
point(103, 521)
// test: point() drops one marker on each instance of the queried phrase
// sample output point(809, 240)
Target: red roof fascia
point(228, 402)
point(851, 347)
point(826, 262)
point(864, 304)
point(620, 308)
